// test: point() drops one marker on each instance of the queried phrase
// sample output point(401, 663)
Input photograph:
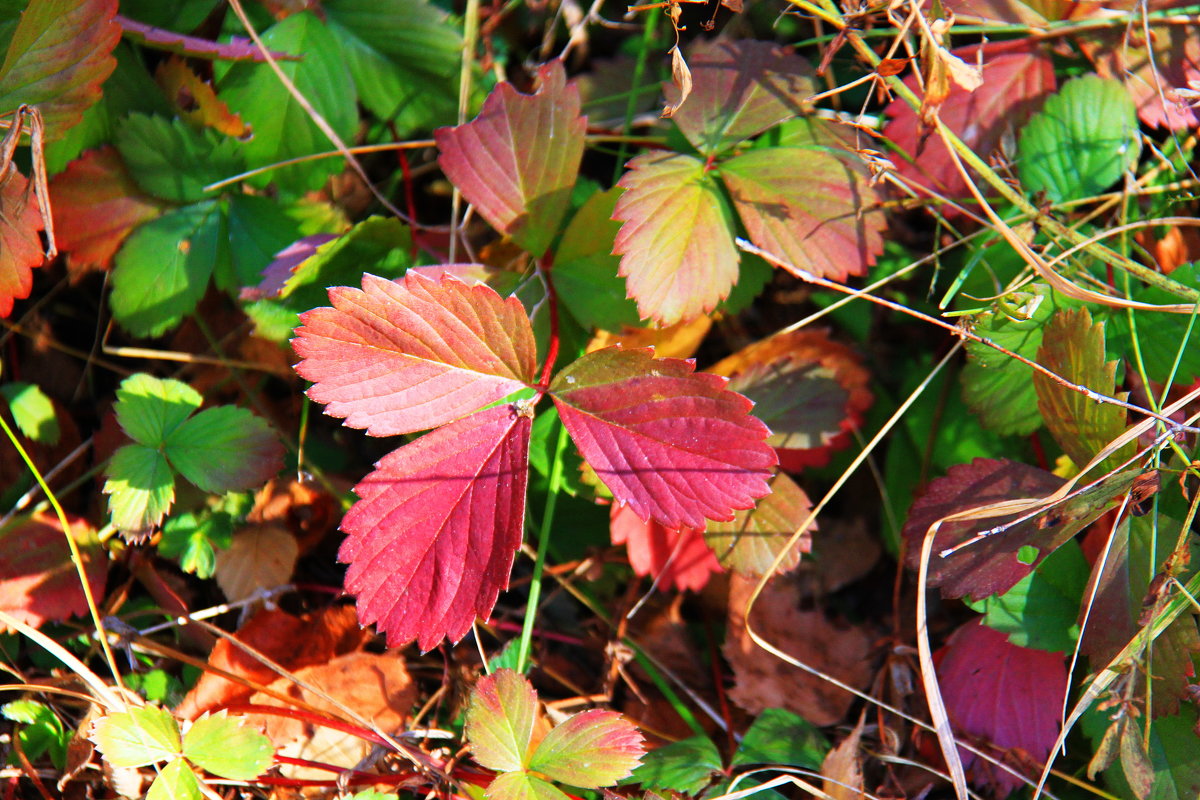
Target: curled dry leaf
point(681, 77)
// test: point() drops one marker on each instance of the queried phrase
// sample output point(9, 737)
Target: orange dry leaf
point(764, 681)
point(261, 557)
point(196, 100)
point(680, 340)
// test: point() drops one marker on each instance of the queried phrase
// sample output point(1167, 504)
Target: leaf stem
point(544, 267)
point(539, 562)
point(639, 69)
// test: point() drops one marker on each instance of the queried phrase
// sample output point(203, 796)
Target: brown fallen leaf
point(261, 557)
point(764, 681)
point(842, 767)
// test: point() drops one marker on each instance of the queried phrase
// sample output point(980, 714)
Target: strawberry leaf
point(517, 161)
point(175, 781)
point(1009, 696)
point(138, 737)
point(499, 727)
point(96, 206)
point(522, 786)
point(38, 581)
point(33, 411)
point(57, 58)
point(750, 543)
point(585, 268)
point(675, 557)
point(141, 488)
point(150, 409)
point(807, 205)
point(432, 539)
point(195, 99)
point(590, 749)
point(226, 748)
point(739, 90)
point(174, 161)
point(672, 445)
point(1073, 347)
point(238, 48)
point(20, 245)
point(676, 248)
point(405, 356)
point(225, 449)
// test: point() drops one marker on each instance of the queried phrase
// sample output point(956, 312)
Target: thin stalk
point(639, 69)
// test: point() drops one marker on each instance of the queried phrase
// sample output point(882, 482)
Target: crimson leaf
point(409, 355)
point(669, 443)
point(432, 539)
point(517, 161)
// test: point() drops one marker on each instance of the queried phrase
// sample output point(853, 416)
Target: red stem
point(552, 298)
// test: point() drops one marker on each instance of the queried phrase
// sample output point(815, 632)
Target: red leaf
point(432, 539)
point(676, 250)
point(236, 49)
point(674, 446)
point(1016, 78)
point(1007, 695)
point(59, 54)
point(411, 354)
point(807, 204)
point(677, 557)
point(517, 161)
point(96, 205)
point(739, 89)
point(20, 245)
point(38, 582)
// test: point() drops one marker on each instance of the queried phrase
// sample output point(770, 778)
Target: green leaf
point(227, 749)
point(258, 228)
point(138, 737)
point(590, 749)
point(40, 731)
point(522, 786)
point(194, 540)
point(172, 160)
point(404, 56)
point(1160, 336)
point(225, 449)
point(1073, 347)
point(176, 781)
point(149, 409)
point(163, 270)
point(500, 720)
point(282, 128)
point(999, 388)
point(1081, 141)
point(379, 245)
point(686, 766)
point(140, 486)
point(1040, 612)
point(781, 737)
point(585, 269)
point(33, 412)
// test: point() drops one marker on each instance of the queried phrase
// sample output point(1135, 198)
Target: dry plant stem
point(956, 330)
point(470, 36)
point(417, 144)
point(313, 114)
point(111, 701)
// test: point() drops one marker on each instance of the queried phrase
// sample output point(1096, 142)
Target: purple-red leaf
point(1009, 696)
point(670, 443)
point(59, 54)
point(740, 89)
point(236, 49)
point(38, 582)
point(411, 354)
point(517, 161)
point(499, 727)
point(591, 749)
point(677, 254)
point(807, 204)
point(432, 539)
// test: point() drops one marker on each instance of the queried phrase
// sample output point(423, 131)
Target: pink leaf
point(1152, 74)
point(677, 253)
point(676, 557)
point(1007, 695)
point(236, 49)
point(432, 539)
point(740, 89)
point(671, 444)
point(517, 161)
point(591, 749)
point(500, 720)
point(807, 204)
point(411, 354)
point(1016, 78)
point(38, 582)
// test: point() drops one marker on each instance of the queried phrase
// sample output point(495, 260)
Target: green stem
point(639, 69)
point(539, 562)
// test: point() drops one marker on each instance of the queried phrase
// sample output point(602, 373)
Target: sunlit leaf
point(522, 786)
point(193, 541)
point(33, 412)
point(751, 542)
point(225, 449)
point(20, 244)
point(741, 88)
point(499, 727)
point(1081, 142)
point(149, 409)
point(227, 748)
point(673, 445)
point(590, 749)
point(175, 781)
point(404, 356)
point(432, 538)
point(137, 737)
point(141, 488)
point(677, 252)
point(196, 100)
point(38, 580)
point(59, 55)
point(674, 557)
point(517, 161)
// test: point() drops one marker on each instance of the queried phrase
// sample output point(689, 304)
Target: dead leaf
point(764, 681)
point(261, 557)
point(303, 507)
point(681, 76)
point(842, 768)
